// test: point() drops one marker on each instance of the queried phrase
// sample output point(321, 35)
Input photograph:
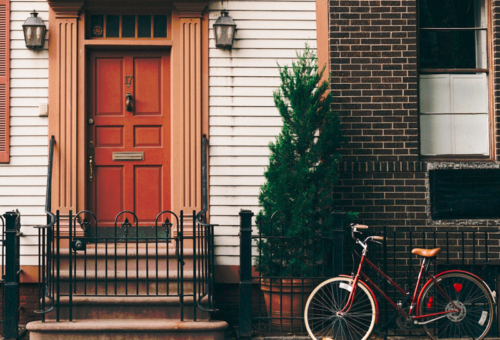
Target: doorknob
point(128, 101)
point(91, 161)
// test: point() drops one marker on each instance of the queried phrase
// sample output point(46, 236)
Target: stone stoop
point(101, 311)
point(116, 329)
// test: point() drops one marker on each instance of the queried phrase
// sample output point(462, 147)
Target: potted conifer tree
point(298, 196)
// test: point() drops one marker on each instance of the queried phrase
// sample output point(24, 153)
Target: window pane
point(465, 193)
point(112, 26)
point(96, 25)
point(452, 49)
point(449, 13)
point(144, 30)
point(128, 29)
point(160, 26)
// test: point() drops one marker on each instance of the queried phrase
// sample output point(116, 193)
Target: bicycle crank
point(405, 324)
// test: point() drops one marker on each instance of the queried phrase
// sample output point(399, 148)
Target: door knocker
point(128, 102)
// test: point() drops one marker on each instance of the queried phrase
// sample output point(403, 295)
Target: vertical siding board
point(4, 80)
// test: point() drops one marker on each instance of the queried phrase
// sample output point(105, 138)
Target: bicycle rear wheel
point(323, 322)
point(467, 293)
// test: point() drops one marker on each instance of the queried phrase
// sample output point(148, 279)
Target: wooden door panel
point(147, 86)
point(148, 192)
point(109, 192)
point(109, 88)
point(141, 186)
point(147, 136)
point(109, 136)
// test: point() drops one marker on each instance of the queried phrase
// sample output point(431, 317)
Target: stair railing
point(204, 252)
point(46, 284)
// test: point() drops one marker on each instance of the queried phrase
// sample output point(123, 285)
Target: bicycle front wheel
point(329, 298)
point(469, 295)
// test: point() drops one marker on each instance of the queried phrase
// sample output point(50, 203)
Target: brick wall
point(373, 62)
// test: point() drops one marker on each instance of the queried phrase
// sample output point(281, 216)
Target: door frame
point(68, 70)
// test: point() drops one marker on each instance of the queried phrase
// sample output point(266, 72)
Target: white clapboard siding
point(236, 180)
point(243, 119)
point(240, 141)
point(243, 111)
point(244, 131)
point(23, 180)
point(28, 140)
point(233, 62)
point(29, 63)
point(272, 82)
point(228, 210)
point(258, 35)
point(239, 151)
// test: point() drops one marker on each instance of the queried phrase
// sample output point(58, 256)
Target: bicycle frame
point(423, 270)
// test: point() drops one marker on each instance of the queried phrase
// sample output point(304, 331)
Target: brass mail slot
point(128, 156)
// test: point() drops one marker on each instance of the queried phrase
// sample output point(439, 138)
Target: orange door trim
point(68, 69)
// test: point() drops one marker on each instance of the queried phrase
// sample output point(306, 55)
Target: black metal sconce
point(224, 29)
point(34, 31)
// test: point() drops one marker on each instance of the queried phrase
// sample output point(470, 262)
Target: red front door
point(129, 132)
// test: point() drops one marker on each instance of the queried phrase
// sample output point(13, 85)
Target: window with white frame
point(453, 68)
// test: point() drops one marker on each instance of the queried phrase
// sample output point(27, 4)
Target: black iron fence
point(174, 257)
point(10, 258)
point(278, 301)
point(294, 266)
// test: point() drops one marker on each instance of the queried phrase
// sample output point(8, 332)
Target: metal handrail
point(53, 220)
point(199, 218)
point(48, 193)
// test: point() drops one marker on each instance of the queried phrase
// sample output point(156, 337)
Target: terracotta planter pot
point(285, 299)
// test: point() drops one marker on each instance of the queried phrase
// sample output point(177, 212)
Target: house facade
point(128, 90)
point(415, 83)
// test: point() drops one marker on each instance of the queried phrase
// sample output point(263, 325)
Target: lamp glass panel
point(224, 36)
point(34, 36)
point(218, 33)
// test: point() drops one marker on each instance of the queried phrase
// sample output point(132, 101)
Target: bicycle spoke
point(469, 296)
point(355, 322)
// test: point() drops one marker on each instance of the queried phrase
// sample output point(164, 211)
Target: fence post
point(338, 246)
point(245, 274)
point(11, 311)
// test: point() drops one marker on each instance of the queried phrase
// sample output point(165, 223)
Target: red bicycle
point(453, 304)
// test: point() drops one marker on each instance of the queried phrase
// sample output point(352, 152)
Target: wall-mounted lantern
point(224, 29)
point(34, 31)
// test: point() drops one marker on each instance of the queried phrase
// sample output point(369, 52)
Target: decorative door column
point(63, 52)
point(187, 106)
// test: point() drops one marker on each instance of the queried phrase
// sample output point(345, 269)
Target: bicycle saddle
point(426, 252)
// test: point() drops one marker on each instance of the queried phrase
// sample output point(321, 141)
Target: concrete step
point(123, 282)
point(126, 256)
point(114, 329)
point(133, 307)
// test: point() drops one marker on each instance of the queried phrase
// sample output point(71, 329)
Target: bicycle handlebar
point(379, 238)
